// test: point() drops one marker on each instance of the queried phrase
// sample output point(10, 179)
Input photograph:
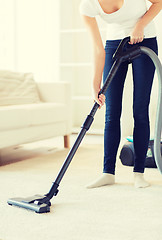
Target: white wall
point(29, 37)
point(7, 34)
point(37, 32)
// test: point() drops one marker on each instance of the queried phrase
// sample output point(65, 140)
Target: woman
point(124, 18)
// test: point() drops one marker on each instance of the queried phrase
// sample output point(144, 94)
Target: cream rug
point(118, 212)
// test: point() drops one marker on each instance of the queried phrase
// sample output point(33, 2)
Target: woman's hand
point(137, 34)
point(99, 99)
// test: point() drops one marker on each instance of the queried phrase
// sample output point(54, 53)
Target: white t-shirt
point(119, 23)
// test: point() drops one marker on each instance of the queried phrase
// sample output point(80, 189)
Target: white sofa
point(31, 111)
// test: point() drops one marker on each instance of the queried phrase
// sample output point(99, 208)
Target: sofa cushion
point(47, 113)
point(21, 116)
point(13, 117)
point(17, 88)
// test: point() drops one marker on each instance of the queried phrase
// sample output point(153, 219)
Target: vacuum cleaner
point(127, 154)
point(41, 203)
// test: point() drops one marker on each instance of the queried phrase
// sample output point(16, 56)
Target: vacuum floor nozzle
point(31, 203)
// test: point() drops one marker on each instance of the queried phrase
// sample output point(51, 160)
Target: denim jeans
point(143, 73)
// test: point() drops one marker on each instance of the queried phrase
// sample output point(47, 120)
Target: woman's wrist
point(137, 34)
point(140, 26)
point(96, 85)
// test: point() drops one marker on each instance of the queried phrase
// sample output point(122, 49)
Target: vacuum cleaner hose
point(158, 123)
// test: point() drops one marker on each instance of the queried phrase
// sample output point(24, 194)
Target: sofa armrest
point(57, 92)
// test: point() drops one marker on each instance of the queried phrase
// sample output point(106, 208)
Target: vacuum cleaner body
point(127, 155)
point(41, 204)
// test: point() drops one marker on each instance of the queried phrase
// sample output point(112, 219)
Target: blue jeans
point(143, 73)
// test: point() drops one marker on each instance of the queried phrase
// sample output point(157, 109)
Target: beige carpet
point(118, 212)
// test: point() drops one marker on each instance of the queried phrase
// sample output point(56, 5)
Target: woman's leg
point(113, 110)
point(143, 74)
point(112, 116)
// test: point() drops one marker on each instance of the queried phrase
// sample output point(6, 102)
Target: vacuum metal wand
point(85, 127)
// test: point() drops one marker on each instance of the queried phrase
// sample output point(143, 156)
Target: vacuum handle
point(119, 50)
point(121, 56)
point(117, 57)
point(129, 54)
